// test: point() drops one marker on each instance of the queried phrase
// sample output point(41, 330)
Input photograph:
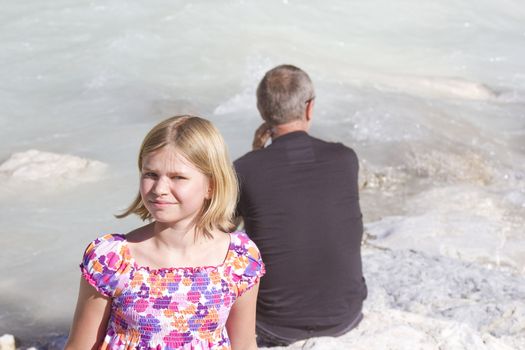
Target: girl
point(181, 281)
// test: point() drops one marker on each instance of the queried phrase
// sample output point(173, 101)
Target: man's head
point(283, 95)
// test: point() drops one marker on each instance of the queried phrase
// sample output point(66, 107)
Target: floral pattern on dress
point(169, 308)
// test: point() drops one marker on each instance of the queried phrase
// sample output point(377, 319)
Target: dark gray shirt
point(300, 204)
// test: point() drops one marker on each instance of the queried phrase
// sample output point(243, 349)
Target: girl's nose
point(161, 187)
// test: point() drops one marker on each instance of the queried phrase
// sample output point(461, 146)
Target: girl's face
point(172, 189)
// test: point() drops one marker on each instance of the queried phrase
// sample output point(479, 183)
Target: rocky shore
point(9, 342)
point(417, 301)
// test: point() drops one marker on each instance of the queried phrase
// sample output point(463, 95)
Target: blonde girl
point(181, 281)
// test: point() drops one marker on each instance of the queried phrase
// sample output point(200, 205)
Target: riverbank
point(421, 301)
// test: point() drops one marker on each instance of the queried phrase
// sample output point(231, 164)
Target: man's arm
point(261, 136)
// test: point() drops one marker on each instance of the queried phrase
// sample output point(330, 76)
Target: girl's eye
point(178, 177)
point(149, 175)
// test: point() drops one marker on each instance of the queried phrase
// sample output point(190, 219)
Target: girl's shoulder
point(246, 263)
point(106, 244)
point(109, 239)
point(104, 261)
point(241, 243)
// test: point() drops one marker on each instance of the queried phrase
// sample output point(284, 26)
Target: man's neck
point(283, 129)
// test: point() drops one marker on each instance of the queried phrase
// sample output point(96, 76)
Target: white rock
point(424, 302)
point(7, 342)
point(34, 165)
point(448, 220)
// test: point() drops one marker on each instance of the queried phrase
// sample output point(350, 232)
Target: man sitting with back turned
point(300, 205)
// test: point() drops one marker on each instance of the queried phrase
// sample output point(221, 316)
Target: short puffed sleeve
point(102, 264)
point(248, 266)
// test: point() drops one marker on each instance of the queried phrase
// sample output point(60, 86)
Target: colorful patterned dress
point(169, 308)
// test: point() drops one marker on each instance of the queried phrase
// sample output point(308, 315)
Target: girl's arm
point(241, 321)
point(90, 320)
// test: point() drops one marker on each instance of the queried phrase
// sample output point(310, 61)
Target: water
point(431, 95)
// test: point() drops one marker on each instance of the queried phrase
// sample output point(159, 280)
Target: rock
point(34, 165)
point(7, 342)
point(57, 342)
point(44, 173)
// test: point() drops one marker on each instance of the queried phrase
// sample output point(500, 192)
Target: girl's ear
point(209, 194)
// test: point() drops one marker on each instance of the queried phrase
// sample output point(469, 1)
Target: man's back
point(299, 201)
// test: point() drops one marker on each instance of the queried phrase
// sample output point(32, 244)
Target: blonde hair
point(202, 144)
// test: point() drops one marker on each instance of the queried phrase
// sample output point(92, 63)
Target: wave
point(436, 87)
point(452, 88)
point(437, 166)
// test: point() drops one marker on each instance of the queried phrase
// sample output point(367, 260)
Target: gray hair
point(283, 93)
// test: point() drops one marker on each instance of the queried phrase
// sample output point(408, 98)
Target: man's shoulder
point(248, 156)
point(335, 149)
point(251, 158)
point(328, 149)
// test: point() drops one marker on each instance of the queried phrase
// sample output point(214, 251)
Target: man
point(299, 202)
